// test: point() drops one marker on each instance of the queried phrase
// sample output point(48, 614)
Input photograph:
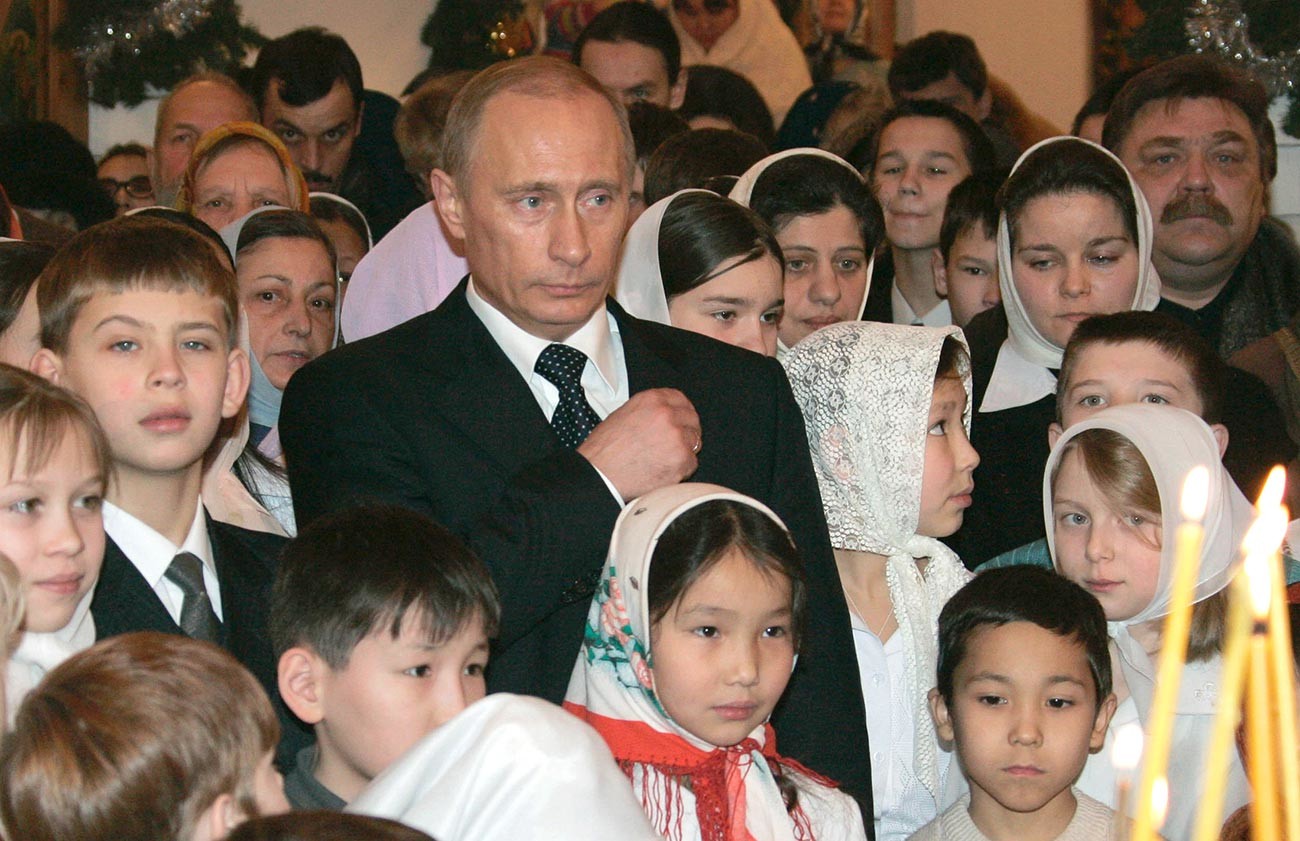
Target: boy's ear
point(1221, 435)
point(1054, 433)
point(448, 201)
point(939, 269)
point(677, 94)
point(298, 676)
point(1097, 740)
point(46, 363)
point(942, 720)
point(219, 819)
point(237, 378)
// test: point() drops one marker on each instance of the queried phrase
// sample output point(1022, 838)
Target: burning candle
point(1125, 756)
point(1259, 735)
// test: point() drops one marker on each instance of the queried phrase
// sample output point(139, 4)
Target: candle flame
point(1127, 751)
point(1196, 493)
point(1262, 541)
point(1159, 801)
point(1274, 489)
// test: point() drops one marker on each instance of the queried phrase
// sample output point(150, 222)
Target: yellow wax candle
point(1124, 756)
point(1173, 648)
point(1259, 696)
point(1209, 817)
point(1283, 663)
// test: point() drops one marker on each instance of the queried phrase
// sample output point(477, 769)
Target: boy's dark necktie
point(197, 618)
point(574, 418)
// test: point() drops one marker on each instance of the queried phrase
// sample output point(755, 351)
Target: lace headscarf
point(743, 192)
point(640, 286)
point(1172, 441)
point(1019, 376)
point(613, 689)
point(865, 391)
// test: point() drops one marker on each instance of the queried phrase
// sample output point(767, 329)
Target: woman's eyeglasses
point(139, 187)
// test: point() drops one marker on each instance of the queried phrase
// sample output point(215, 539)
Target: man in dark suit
point(527, 409)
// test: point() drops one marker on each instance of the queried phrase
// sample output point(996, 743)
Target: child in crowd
point(920, 152)
point(828, 226)
point(54, 465)
point(887, 411)
point(1151, 357)
point(138, 319)
point(966, 262)
point(1074, 241)
point(1110, 492)
point(381, 620)
point(689, 645)
point(1024, 695)
point(704, 263)
point(142, 737)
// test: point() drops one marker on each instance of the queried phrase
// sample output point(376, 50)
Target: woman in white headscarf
point(1110, 490)
point(1074, 240)
point(828, 225)
point(887, 411)
point(704, 263)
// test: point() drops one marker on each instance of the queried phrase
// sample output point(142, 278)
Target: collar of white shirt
point(604, 378)
point(940, 315)
point(152, 553)
point(1016, 381)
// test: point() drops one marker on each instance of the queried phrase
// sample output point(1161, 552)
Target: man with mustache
point(309, 92)
point(1195, 133)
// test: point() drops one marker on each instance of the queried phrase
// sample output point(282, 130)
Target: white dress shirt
point(604, 378)
point(940, 315)
point(152, 554)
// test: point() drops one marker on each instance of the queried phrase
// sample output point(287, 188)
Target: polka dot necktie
point(574, 418)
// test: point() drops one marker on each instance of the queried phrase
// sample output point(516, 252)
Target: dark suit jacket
point(432, 415)
point(246, 562)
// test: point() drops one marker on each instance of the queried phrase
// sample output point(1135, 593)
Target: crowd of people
point(717, 433)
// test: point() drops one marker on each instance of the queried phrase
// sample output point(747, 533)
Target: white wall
point(1042, 48)
point(384, 33)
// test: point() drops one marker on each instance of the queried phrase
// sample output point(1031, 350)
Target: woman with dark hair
point(703, 263)
point(1074, 240)
point(828, 226)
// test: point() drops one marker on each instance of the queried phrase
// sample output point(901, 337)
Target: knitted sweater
point(1091, 822)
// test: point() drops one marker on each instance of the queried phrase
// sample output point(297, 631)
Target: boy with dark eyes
point(380, 619)
point(1024, 694)
point(965, 263)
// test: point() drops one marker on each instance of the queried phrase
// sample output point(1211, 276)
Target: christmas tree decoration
point(127, 47)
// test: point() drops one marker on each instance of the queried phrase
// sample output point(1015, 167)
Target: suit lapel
point(650, 363)
point(485, 398)
point(124, 601)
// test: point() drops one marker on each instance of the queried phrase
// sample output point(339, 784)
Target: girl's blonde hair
point(12, 608)
point(1119, 470)
point(35, 417)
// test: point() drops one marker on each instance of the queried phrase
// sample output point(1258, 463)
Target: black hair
point(20, 264)
point(180, 217)
point(693, 158)
point(651, 125)
point(695, 541)
point(1069, 165)
point(328, 210)
point(973, 202)
point(713, 91)
point(289, 224)
point(1024, 594)
point(806, 185)
point(1206, 369)
point(701, 231)
point(923, 61)
point(134, 150)
point(364, 570)
point(43, 167)
point(306, 63)
point(980, 154)
point(1195, 77)
point(1098, 103)
point(639, 22)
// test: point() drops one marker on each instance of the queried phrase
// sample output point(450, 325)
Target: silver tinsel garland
point(1221, 27)
point(110, 39)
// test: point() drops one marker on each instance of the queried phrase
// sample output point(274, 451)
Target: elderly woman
point(237, 168)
